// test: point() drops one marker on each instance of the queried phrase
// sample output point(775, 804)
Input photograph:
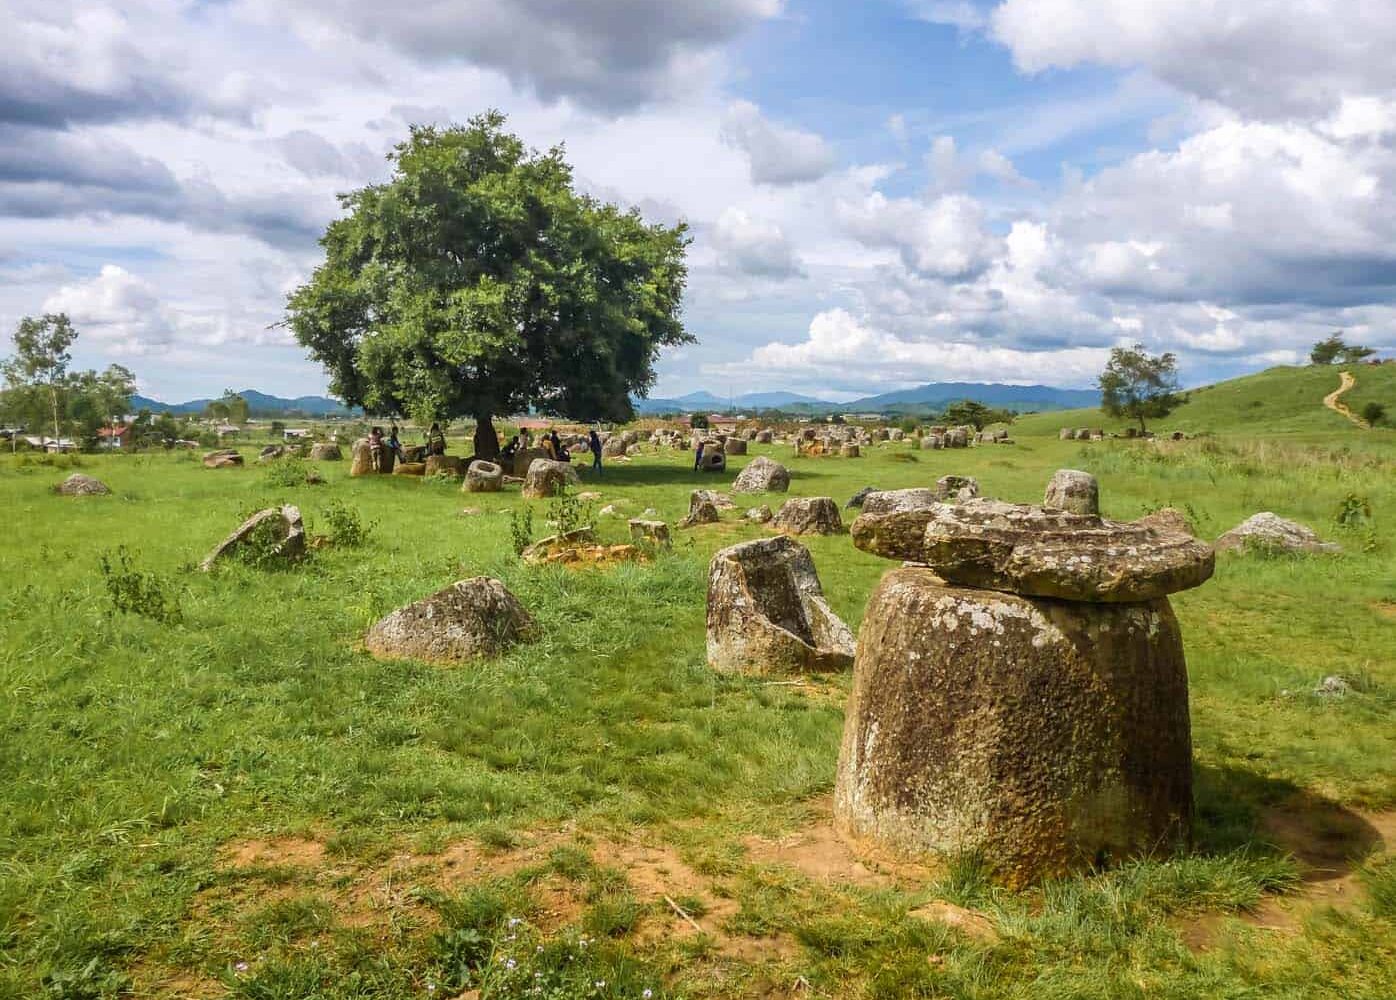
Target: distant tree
point(478, 283)
point(969, 411)
point(1138, 386)
point(97, 400)
point(278, 428)
point(235, 407)
point(1374, 413)
point(698, 421)
point(1334, 349)
point(218, 409)
point(37, 374)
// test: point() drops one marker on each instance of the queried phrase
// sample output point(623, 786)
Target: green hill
point(1275, 401)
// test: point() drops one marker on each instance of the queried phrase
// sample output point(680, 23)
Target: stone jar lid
point(1030, 550)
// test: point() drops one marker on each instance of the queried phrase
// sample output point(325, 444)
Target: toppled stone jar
point(1023, 696)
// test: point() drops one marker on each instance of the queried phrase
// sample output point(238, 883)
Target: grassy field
point(242, 803)
point(1275, 401)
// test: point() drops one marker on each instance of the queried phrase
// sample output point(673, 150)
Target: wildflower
point(240, 967)
point(511, 965)
point(647, 994)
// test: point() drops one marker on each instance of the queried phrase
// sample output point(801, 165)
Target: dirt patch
point(971, 922)
point(824, 854)
point(1387, 609)
point(658, 877)
point(1328, 842)
point(1332, 400)
point(283, 852)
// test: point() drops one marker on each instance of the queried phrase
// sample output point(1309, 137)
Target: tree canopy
point(1334, 349)
point(40, 390)
point(975, 413)
point(1138, 385)
point(477, 282)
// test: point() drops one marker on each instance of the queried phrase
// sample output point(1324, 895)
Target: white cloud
point(754, 246)
point(943, 238)
point(844, 350)
point(608, 54)
point(1268, 60)
point(779, 154)
point(118, 309)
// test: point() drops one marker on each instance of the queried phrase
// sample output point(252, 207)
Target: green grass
point(1275, 401)
point(134, 751)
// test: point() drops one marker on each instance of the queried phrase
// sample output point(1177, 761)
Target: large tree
point(36, 376)
point(477, 283)
point(1335, 349)
point(1137, 385)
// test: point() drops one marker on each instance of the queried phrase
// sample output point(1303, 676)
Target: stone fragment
point(762, 475)
point(759, 515)
point(645, 532)
point(546, 478)
point(1043, 736)
point(857, 499)
point(893, 522)
point(468, 620)
point(735, 446)
point(1270, 532)
point(767, 613)
point(701, 509)
point(1072, 490)
point(808, 516)
point(1046, 553)
point(445, 465)
point(483, 477)
point(225, 459)
point(78, 485)
point(277, 535)
point(848, 450)
point(270, 453)
point(410, 469)
point(325, 452)
point(1167, 520)
point(545, 549)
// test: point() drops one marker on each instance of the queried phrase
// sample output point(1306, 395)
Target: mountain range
point(934, 396)
point(259, 404)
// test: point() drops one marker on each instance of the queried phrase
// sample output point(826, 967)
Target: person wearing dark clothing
point(436, 441)
point(506, 454)
point(559, 450)
point(394, 445)
point(698, 456)
point(594, 441)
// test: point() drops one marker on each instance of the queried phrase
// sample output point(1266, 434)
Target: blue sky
point(882, 193)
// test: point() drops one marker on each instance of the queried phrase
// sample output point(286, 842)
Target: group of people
point(549, 442)
point(378, 445)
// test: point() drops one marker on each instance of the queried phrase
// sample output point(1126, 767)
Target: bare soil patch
point(824, 854)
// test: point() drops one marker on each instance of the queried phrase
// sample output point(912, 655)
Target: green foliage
point(346, 525)
point(567, 512)
point(1354, 511)
point(968, 411)
point(698, 421)
point(1374, 413)
point(136, 591)
point(521, 528)
point(1334, 349)
point(478, 282)
point(286, 472)
point(1138, 385)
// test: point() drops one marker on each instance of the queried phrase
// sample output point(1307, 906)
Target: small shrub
point(137, 592)
point(285, 473)
point(903, 456)
point(1374, 413)
point(569, 513)
point(346, 526)
point(521, 529)
point(1354, 511)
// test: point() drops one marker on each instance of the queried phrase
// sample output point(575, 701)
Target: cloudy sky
point(882, 193)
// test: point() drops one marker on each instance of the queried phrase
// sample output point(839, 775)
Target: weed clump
point(136, 591)
point(347, 528)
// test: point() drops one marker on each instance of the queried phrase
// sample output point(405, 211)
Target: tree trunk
point(486, 440)
point(1142, 428)
point(53, 396)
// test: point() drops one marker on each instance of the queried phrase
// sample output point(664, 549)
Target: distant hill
point(1275, 401)
point(1022, 398)
point(259, 404)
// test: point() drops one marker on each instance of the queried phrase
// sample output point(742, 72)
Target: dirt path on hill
point(1334, 403)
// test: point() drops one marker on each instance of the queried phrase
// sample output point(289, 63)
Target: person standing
point(375, 449)
point(698, 456)
point(394, 445)
point(594, 440)
point(436, 440)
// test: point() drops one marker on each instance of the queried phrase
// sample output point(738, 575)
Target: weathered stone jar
point(1044, 735)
